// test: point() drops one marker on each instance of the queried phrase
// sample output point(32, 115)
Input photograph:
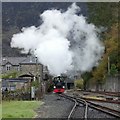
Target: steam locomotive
point(59, 84)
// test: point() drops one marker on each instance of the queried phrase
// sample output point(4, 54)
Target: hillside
point(18, 15)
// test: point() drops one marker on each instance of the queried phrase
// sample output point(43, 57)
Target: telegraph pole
point(39, 79)
point(108, 65)
point(37, 68)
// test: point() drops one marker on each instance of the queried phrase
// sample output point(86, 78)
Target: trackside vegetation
point(105, 15)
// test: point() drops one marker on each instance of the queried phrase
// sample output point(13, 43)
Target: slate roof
point(15, 80)
point(29, 60)
point(18, 60)
point(12, 60)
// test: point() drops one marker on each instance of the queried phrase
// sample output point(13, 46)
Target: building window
point(20, 68)
point(8, 67)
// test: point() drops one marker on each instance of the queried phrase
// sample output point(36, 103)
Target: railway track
point(73, 109)
point(78, 102)
point(99, 98)
point(115, 94)
point(112, 94)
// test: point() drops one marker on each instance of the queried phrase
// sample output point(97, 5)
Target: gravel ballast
point(60, 107)
point(54, 107)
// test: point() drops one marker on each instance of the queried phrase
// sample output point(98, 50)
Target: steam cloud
point(63, 42)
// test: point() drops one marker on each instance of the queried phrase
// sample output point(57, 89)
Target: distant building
point(69, 83)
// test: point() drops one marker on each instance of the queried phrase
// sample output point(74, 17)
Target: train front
point(59, 85)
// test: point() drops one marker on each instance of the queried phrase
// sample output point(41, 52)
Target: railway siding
point(60, 107)
point(98, 98)
point(97, 111)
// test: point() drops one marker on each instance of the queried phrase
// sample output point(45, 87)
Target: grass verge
point(0, 111)
point(19, 109)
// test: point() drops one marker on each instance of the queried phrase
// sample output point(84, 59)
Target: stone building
point(31, 66)
point(28, 68)
point(11, 64)
point(23, 65)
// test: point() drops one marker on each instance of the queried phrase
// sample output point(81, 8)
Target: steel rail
point(73, 109)
point(77, 103)
point(96, 106)
point(100, 107)
point(86, 106)
point(105, 109)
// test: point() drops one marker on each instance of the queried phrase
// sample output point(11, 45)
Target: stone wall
point(112, 84)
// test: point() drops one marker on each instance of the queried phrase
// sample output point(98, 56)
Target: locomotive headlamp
point(54, 86)
point(63, 86)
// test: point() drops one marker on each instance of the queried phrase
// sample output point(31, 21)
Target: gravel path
point(54, 108)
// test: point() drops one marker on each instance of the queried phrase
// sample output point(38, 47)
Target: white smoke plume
point(63, 42)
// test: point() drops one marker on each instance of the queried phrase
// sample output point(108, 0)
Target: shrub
point(79, 83)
